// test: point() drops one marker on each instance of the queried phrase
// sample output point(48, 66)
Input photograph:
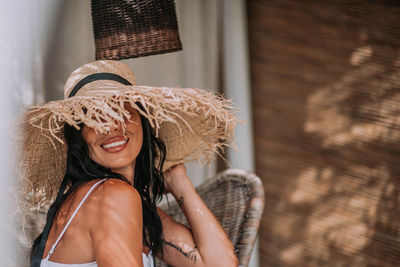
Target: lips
point(115, 144)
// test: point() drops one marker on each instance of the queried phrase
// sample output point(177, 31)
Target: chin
point(118, 165)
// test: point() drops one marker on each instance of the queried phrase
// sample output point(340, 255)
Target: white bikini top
point(147, 259)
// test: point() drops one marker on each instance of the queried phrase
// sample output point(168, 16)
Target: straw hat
point(193, 123)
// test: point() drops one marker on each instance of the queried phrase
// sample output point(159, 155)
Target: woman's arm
point(117, 233)
point(206, 244)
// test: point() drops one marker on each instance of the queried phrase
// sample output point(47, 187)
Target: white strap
point(148, 259)
point(70, 219)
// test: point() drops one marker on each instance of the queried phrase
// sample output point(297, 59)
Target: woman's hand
point(176, 180)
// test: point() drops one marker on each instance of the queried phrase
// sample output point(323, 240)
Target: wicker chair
point(236, 198)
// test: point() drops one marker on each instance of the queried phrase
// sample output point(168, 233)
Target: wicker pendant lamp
point(134, 28)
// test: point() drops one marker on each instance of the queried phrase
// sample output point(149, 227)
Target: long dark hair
point(149, 180)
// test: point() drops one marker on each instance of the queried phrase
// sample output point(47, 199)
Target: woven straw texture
point(236, 198)
point(326, 96)
point(193, 123)
point(129, 29)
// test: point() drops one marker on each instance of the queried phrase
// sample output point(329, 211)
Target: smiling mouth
point(115, 144)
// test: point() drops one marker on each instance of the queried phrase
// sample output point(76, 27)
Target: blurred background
point(318, 83)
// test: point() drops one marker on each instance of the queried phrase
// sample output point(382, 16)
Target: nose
point(115, 128)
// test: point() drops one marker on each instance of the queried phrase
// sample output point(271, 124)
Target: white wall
point(19, 43)
point(237, 86)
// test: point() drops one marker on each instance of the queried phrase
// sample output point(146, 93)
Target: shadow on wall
point(349, 199)
point(326, 92)
point(356, 207)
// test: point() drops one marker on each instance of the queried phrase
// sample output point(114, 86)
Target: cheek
point(135, 126)
point(92, 154)
point(90, 137)
point(88, 134)
point(138, 142)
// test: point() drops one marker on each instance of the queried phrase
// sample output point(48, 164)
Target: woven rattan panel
point(134, 28)
point(326, 94)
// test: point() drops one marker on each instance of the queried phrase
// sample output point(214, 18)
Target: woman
point(117, 140)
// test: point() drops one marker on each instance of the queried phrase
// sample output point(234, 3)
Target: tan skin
point(111, 234)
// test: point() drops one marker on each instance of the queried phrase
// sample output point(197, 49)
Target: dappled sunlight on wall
point(363, 107)
point(357, 118)
point(326, 94)
point(343, 211)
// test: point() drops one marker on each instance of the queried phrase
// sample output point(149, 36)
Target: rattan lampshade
point(134, 28)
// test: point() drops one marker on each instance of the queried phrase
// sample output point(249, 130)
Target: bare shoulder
point(117, 229)
point(117, 197)
point(119, 190)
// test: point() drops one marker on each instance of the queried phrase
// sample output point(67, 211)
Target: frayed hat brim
point(193, 123)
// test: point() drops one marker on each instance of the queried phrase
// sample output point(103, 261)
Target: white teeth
point(114, 144)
